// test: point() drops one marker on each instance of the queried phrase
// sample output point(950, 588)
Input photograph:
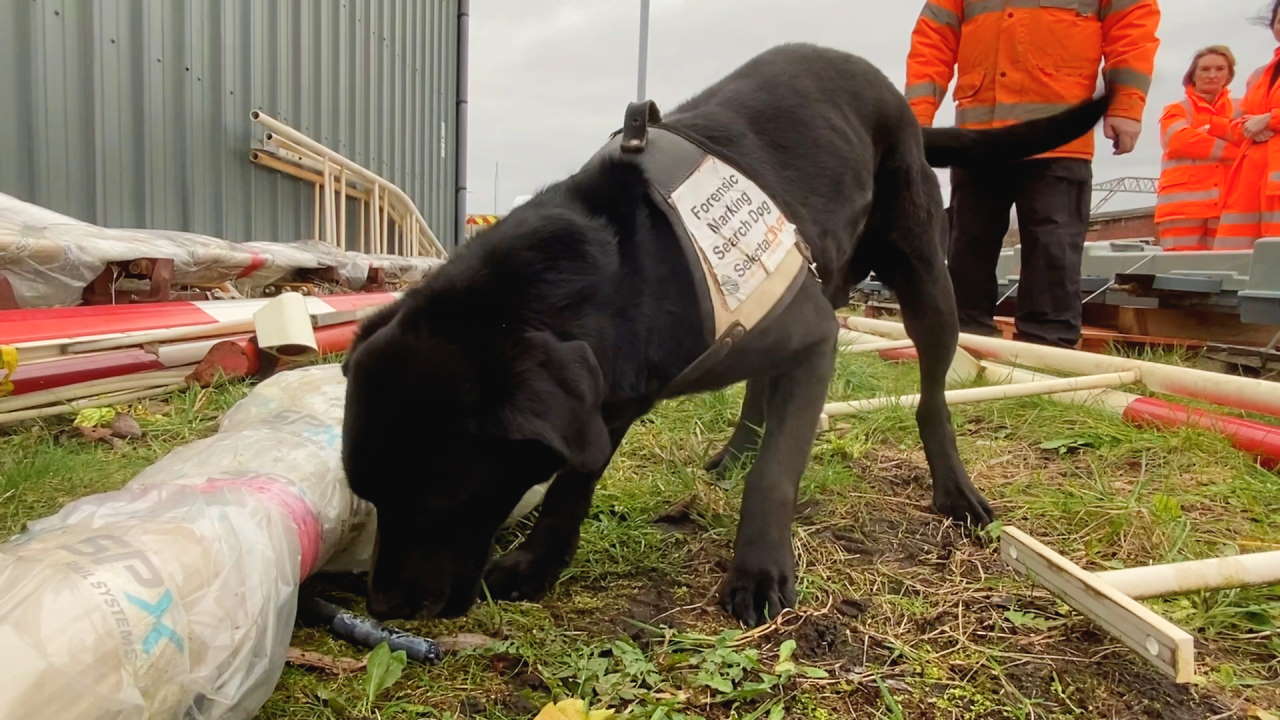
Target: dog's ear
point(368, 327)
point(557, 401)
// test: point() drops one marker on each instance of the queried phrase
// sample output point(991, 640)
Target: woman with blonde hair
point(1197, 153)
point(1251, 203)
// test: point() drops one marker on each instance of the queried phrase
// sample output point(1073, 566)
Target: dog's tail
point(946, 147)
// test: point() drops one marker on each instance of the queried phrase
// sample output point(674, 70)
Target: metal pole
point(460, 168)
point(644, 50)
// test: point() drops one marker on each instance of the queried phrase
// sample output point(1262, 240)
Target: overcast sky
point(549, 79)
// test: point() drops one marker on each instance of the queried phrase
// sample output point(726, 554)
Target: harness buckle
point(635, 125)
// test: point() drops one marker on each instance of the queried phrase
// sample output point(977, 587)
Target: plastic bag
point(175, 596)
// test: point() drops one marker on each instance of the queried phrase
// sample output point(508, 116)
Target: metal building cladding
point(135, 113)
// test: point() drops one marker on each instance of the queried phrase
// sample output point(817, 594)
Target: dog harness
point(747, 257)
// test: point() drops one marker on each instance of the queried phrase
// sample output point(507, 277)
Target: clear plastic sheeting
point(405, 270)
point(175, 596)
point(49, 258)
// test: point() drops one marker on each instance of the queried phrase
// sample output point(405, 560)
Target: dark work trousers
point(1052, 197)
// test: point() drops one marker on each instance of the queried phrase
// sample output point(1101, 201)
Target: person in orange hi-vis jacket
point(1251, 203)
point(1018, 60)
point(1197, 153)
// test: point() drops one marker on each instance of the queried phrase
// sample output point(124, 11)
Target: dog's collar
point(751, 257)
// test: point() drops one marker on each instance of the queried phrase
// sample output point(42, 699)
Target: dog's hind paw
point(756, 593)
point(520, 575)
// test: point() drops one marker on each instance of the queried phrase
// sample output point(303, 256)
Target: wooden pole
point(386, 219)
point(994, 392)
point(342, 209)
point(315, 213)
point(360, 242)
point(284, 132)
point(330, 212)
point(373, 220)
point(1180, 578)
point(77, 405)
point(1244, 393)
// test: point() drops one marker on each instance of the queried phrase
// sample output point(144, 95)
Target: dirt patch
point(821, 638)
point(652, 607)
point(894, 468)
point(898, 540)
point(1122, 689)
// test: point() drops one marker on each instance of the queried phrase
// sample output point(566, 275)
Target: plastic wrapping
point(175, 596)
point(406, 270)
point(49, 258)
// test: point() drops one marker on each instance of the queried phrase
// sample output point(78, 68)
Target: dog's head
point(455, 408)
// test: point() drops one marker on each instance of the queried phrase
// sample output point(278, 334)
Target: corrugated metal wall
point(135, 113)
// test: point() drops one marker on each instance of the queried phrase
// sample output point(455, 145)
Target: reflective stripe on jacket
point(1018, 60)
point(1197, 155)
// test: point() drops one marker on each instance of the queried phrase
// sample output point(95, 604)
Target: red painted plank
point(82, 368)
point(19, 326)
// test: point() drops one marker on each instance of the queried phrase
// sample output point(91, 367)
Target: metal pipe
point(460, 167)
point(642, 67)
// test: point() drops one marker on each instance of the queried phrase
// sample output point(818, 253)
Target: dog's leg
point(746, 436)
point(761, 581)
point(913, 266)
point(931, 322)
point(531, 570)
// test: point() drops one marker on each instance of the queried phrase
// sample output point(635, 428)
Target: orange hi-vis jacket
point(1197, 155)
point(1251, 203)
point(1018, 60)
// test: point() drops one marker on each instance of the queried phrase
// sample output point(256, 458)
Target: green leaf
point(1031, 620)
point(95, 417)
point(786, 650)
point(813, 672)
point(890, 703)
point(778, 710)
point(716, 682)
point(1167, 508)
point(384, 668)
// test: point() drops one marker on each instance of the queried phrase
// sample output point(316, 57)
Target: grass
point(900, 614)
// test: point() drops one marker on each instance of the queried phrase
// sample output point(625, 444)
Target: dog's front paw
point(965, 505)
point(758, 589)
point(521, 575)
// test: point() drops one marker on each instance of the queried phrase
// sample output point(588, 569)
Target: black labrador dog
point(530, 353)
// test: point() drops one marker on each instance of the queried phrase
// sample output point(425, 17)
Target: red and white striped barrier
point(37, 330)
point(78, 349)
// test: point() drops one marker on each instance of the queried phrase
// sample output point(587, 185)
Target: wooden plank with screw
point(1163, 644)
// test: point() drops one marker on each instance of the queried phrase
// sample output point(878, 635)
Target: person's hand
point(1255, 126)
point(1122, 132)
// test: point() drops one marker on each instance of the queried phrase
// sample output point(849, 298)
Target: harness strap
point(669, 157)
